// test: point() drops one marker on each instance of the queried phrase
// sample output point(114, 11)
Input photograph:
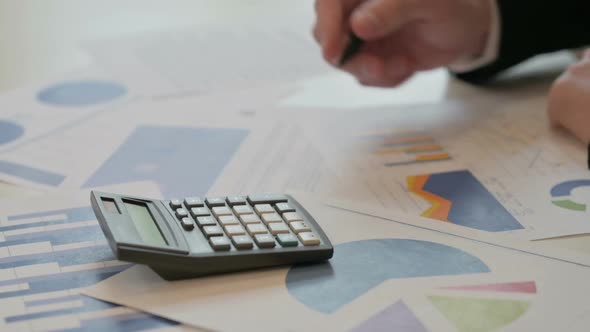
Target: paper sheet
point(187, 131)
point(202, 60)
point(50, 247)
point(383, 274)
point(455, 162)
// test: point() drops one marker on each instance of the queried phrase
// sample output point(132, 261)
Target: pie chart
point(81, 93)
point(10, 131)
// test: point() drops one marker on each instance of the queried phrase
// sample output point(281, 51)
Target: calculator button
point(300, 226)
point(254, 229)
point(309, 238)
point(236, 200)
point(242, 209)
point(264, 240)
point(267, 199)
point(242, 242)
point(181, 213)
point(249, 219)
point(284, 207)
point(228, 220)
point(200, 211)
point(233, 230)
point(287, 240)
point(206, 221)
point(175, 204)
point(191, 202)
point(271, 217)
point(221, 211)
point(292, 216)
point(187, 223)
point(212, 231)
point(215, 201)
point(278, 228)
point(219, 243)
point(263, 208)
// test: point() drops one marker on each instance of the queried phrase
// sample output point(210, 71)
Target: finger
point(376, 19)
point(329, 29)
point(373, 70)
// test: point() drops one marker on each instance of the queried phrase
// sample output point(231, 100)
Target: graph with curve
point(460, 198)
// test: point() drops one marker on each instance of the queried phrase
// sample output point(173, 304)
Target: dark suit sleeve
point(532, 27)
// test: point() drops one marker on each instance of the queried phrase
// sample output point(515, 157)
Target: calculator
point(197, 236)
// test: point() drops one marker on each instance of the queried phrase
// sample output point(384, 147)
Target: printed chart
point(81, 93)
point(562, 192)
point(458, 197)
point(45, 258)
point(182, 161)
point(360, 266)
point(406, 149)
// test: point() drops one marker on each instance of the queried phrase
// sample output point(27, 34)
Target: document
point(459, 164)
point(204, 59)
point(416, 279)
point(51, 246)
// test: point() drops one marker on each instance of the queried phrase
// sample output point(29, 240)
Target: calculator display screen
point(144, 223)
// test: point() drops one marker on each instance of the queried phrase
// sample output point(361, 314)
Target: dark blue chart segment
point(359, 266)
point(182, 161)
point(566, 188)
point(81, 93)
point(10, 131)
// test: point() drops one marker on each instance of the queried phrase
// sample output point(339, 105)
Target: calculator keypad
point(262, 220)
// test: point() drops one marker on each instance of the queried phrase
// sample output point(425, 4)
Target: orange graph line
point(439, 207)
point(436, 156)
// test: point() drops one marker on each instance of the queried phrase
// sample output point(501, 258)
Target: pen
point(354, 44)
point(588, 156)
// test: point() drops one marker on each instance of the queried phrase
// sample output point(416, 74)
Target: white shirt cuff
point(490, 51)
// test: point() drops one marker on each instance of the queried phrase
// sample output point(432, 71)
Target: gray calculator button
point(263, 208)
point(215, 201)
point(287, 240)
point(264, 240)
point(212, 231)
point(187, 223)
point(200, 211)
point(249, 219)
point(242, 242)
point(271, 217)
point(278, 228)
point(309, 238)
point(236, 200)
point(300, 226)
point(206, 221)
point(219, 243)
point(175, 204)
point(254, 229)
point(267, 199)
point(233, 230)
point(191, 202)
point(284, 207)
point(228, 220)
point(221, 211)
point(292, 216)
point(242, 209)
point(181, 213)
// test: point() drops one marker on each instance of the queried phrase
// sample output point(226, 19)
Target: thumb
point(375, 19)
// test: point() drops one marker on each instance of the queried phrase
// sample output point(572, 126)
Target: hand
point(401, 36)
point(569, 100)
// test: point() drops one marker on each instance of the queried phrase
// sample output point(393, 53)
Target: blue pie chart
point(360, 266)
point(10, 131)
point(81, 93)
